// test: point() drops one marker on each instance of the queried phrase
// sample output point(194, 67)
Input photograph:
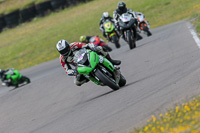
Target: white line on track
point(194, 34)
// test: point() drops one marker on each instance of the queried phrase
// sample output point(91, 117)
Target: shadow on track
point(98, 96)
point(17, 87)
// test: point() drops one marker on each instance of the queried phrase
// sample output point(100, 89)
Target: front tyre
point(107, 48)
point(115, 41)
point(122, 80)
point(26, 79)
point(106, 80)
point(146, 29)
point(131, 40)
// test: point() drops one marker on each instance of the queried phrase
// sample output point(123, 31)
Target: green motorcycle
point(14, 78)
point(111, 33)
point(98, 69)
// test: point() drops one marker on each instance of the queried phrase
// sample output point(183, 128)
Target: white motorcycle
point(143, 24)
point(127, 24)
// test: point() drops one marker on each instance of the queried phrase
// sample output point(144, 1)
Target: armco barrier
point(28, 13)
point(12, 19)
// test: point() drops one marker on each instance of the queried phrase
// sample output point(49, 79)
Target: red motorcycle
point(99, 42)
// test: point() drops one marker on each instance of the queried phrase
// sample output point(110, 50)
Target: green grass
point(33, 43)
point(7, 6)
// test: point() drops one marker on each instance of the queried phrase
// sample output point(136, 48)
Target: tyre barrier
point(2, 22)
point(12, 19)
point(16, 17)
point(43, 8)
point(71, 2)
point(58, 4)
point(28, 13)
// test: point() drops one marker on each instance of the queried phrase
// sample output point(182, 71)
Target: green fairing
point(84, 70)
point(94, 60)
point(14, 77)
point(108, 64)
point(95, 81)
point(112, 34)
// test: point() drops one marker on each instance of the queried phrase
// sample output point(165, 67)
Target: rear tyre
point(116, 41)
point(149, 33)
point(26, 79)
point(122, 80)
point(106, 80)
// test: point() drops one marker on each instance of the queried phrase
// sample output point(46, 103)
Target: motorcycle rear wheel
point(106, 80)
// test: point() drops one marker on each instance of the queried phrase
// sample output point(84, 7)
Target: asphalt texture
point(164, 69)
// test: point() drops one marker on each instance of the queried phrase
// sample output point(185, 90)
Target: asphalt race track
point(163, 70)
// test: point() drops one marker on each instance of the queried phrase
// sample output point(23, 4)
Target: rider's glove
point(71, 72)
point(92, 47)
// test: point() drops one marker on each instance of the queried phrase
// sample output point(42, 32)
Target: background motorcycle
point(143, 24)
point(99, 42)
point(111, 33)
point(128, 26)
point(14, 78)
point(98, 69)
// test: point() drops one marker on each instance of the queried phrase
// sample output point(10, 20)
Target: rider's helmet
point(105, 15)
point(83, 39)
point(121, 6)
point(64, 48)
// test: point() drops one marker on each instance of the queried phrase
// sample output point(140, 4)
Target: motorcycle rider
point(121, 8)
point(2, 73)
point(13, 80)
point(85, 39)
point(67, 52)
point(105, 17)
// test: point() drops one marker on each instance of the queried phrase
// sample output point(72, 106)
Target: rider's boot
point(80, 79)
point(114, 62)
point(16, 86)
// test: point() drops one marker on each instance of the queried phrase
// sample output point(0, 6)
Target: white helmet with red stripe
point(63, 48)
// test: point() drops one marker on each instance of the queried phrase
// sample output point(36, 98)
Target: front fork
point(117, 74)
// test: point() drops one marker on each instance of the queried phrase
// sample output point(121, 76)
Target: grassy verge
point(184, 118)
point(196, 20)
point(8, 5)
point(33, 43)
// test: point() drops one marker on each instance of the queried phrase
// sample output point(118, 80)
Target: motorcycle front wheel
point(107, 48)
point(146, 29)
point(115, 41)
point(122, 80)
point(106, 80)
point(131, 40)
point(25, 79)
